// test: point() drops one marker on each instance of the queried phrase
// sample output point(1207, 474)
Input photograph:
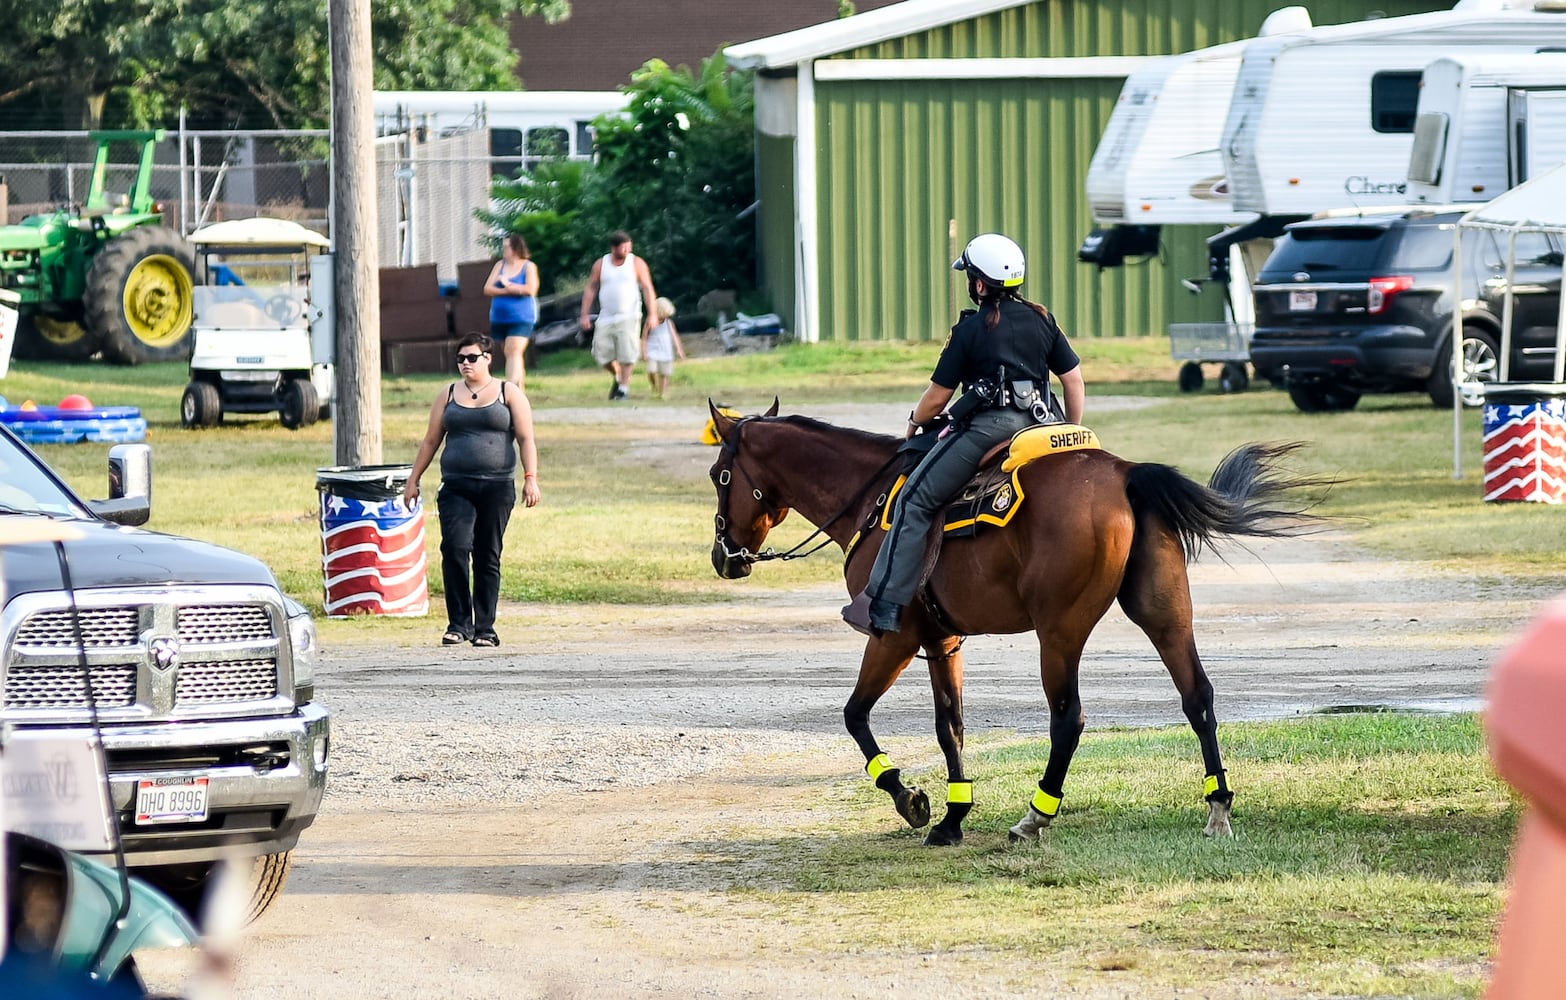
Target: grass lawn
point(1368, 859)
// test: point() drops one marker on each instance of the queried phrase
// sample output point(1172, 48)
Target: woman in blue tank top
point(513, 304)
point(485, 422)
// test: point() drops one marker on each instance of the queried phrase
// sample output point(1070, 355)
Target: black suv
point(1363, 303)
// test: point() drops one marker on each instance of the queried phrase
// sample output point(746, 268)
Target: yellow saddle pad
point(1046, 439)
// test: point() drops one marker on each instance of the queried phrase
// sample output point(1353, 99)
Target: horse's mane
point(815, 426)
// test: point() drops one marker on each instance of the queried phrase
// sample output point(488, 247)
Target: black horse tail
point(1249, 494)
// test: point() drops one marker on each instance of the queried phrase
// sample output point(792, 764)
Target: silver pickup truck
point(199, 670)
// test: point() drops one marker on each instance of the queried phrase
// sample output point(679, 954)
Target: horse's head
point(745, 513)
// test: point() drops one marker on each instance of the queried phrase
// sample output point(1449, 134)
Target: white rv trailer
point(1326, 119)
point(1158, 161)
point(523, 122)
point(1485, 125)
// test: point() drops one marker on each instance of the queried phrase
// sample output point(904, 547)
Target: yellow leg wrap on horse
point(877, 766)
point(1046, 803)
point(959, 792)
point(1210, 785)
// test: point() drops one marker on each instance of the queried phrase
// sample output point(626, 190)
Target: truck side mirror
point(130, 486)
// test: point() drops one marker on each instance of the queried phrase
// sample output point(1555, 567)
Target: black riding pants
point(473, 518)
point(930, 487)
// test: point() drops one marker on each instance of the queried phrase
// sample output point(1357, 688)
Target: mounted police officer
point(1002, 355)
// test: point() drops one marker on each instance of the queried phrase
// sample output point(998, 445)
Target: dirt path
point(566, 820)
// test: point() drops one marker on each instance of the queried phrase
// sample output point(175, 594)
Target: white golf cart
point(262, 336)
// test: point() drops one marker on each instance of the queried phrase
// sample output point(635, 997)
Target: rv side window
point(584, 139)
point(1394, 100)
point(547, 143)
point(505, 142)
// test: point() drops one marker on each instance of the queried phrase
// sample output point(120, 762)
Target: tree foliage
point(677, 172)
point(81, 63)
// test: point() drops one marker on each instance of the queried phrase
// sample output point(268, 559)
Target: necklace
point(480, 389)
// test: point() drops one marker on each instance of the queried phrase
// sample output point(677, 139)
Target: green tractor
point(109, 277)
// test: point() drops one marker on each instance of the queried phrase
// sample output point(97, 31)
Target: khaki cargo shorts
point(617, 340)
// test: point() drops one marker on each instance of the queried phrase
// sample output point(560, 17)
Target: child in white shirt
point(660, 345)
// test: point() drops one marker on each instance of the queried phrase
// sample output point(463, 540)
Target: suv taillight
point(1384, 290)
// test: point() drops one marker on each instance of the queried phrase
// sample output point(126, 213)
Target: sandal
point(487, 640)
point(453, 638)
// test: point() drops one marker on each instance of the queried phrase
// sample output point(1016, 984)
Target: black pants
point(473, 518)
point(895, 577)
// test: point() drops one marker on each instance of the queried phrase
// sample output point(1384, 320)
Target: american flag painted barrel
point(372, 547)
point(1525, 443)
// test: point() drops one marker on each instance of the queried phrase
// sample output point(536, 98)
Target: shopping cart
point(1213, 343)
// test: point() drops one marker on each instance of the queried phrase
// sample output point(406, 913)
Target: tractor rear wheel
point(139, 297)
point(46, 338)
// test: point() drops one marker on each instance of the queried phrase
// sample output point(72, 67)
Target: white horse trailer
point(1326, 119)
point(1485, 125)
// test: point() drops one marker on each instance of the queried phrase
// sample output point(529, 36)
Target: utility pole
point(356, 429)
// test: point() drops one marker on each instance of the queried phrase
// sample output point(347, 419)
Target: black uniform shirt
point(1027, 345)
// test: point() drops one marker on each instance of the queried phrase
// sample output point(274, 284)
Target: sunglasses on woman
point(469, 359)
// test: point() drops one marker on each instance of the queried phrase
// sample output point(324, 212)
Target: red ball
point(75, 401)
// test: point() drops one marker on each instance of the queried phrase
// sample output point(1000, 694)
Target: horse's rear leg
point(946, 682)
point(884, 661)
point(1156, 595)
point(1066, 722)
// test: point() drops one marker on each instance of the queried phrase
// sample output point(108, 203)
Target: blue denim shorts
point(500, 331)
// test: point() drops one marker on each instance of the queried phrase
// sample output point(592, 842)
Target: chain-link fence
point(427, 188)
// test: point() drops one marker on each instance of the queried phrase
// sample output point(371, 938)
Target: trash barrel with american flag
point(1525, 442)
point(372, 547)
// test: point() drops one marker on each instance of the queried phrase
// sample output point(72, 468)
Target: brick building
point(603, 41)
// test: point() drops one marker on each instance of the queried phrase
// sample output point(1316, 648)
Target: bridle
point(743, 554)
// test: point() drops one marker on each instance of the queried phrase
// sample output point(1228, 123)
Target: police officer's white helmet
point(994, 258)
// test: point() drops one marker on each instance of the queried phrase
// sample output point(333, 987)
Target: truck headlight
point(302, 640)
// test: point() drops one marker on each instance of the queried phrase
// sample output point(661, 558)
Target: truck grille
point(231, 680)
point(224, 624)
point(113, 684)
point(150, 654)
point(100, 627)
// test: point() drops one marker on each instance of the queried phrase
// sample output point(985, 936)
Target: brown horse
point(1095, 529)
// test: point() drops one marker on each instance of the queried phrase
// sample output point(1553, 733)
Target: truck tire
point(201, 406)
point(139, 296)
point(46, 338)
point(191, 885)
point(1481, 363)
point(301, 404)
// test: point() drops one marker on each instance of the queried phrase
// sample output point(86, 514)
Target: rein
point(725, 479)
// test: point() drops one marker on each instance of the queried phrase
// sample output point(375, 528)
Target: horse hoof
point(1217, 821)
point(939, 836)
point(914, 807)
point(1016, 836)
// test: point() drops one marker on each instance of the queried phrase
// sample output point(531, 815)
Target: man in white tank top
point(623, 286)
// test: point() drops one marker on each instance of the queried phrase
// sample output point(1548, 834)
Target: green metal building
point(887, 139)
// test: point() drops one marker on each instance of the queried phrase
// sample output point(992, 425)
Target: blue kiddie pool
point(57, 425)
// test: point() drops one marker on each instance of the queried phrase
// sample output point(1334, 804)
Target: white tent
point(1535, 206)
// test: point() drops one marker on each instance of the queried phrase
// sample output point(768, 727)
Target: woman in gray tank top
point(485, 422)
